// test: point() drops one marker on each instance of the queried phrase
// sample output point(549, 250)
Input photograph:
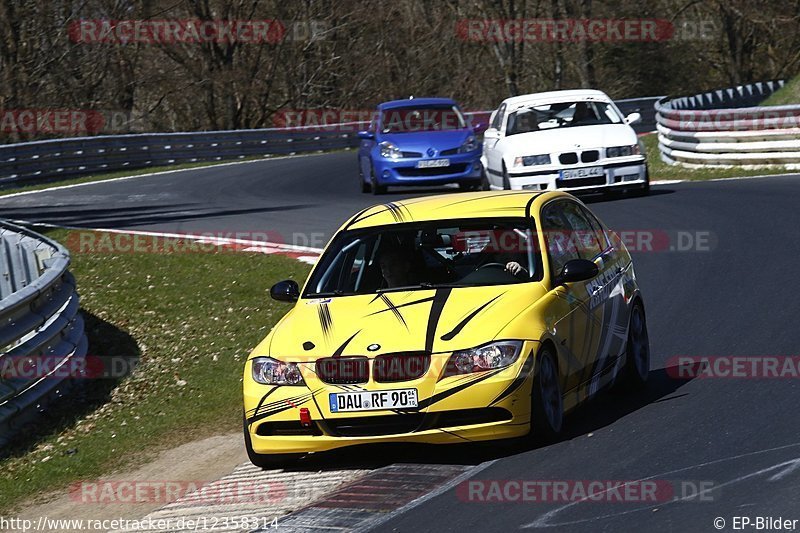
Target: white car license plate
point(589, 172)
point(379, 400)
point(433, 163)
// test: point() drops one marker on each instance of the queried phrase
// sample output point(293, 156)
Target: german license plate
point(433, 163)
point(588, 172)
point(345, 402)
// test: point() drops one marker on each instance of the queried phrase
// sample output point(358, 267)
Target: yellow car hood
point(434, 320)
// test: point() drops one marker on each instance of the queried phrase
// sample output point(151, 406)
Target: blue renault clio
point(419, 141)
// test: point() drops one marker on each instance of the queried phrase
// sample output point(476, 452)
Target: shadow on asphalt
point(602, 411)
point(81, 215)
point(589, 198)
point(117, 351)
point(614, 197)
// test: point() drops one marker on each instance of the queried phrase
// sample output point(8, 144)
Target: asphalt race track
point(732, 295)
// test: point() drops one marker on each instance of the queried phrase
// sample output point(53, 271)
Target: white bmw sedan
point(573, 140)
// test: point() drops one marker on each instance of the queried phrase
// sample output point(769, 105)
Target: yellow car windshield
point(418, 256)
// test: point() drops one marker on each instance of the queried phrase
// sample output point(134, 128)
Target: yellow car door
point(567, 305)
point(605, 313)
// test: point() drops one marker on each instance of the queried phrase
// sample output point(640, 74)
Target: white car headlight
point(269, 371)
point(470, 145)
point(487, 357)
point(389, 150)
point(530, 160)
point(623, 151)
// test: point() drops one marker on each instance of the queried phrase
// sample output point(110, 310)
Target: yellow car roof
point(452, 206)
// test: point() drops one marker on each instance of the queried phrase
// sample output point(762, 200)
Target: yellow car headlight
point(487, 357)
point(269, 371)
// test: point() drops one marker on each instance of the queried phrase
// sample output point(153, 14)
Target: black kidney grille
point(568, 158)
point(400, 367)
point(343, 370)
point(590, 156)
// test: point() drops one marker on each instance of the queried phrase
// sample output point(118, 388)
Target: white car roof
point(516, 102)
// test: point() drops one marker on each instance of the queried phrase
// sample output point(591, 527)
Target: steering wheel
point(493, 265)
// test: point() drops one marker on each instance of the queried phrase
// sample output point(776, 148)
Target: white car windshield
point(413, 256)
point(561, 115)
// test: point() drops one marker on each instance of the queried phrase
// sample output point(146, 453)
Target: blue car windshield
point(414, 119)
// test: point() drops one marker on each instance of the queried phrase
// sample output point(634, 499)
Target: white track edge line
point(150, 174)
point(190, 236)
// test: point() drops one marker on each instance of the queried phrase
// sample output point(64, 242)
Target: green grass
point(190, 319)
point(662, 171)
point(787, 95)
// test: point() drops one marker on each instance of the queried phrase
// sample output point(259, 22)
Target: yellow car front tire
point(547, 405)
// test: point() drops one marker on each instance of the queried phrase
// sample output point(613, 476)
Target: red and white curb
point(246, 499)
point(301, 253)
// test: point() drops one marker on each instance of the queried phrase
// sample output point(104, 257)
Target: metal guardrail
point(50, 159)
point(39, 322)
point(726, 127)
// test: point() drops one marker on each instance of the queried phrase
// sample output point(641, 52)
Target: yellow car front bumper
point(463, 408)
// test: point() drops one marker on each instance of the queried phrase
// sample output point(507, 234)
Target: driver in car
point(516, 269)
point(395, 268)
point(525, 122)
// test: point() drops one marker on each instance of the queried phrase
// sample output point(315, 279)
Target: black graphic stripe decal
point(415, 302)
point(396, 210)
point(395, 311)
point(456, 330)
point(427, 402)
point(527, 366)
point(488, 197)
point(325, 319)
point(357, 217)
point(278, 403)
point(262, 400)
point(279, 406)
point(275, 411)
point(439, 299)
point(340, 350)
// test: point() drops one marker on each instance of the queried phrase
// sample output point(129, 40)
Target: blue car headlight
point(530, 160)
point(389, 150)
point(470, 145)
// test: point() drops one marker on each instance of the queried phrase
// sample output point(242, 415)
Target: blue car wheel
point(373, 181)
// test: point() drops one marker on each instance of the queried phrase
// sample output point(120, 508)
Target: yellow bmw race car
point(446, 319)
